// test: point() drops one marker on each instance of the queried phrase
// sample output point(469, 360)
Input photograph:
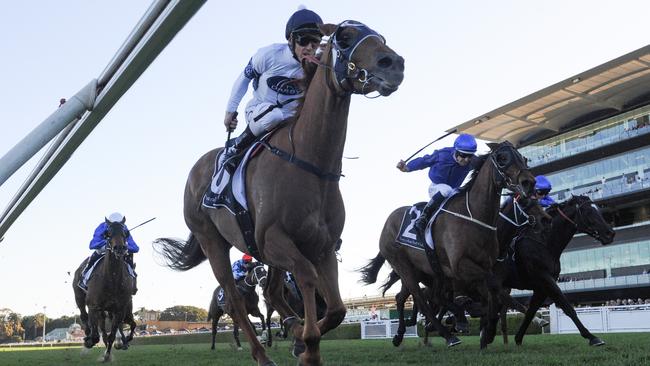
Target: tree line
point(16, 328)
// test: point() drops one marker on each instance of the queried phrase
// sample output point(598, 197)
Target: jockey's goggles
point(304, 39)
point(543, 192)
point(463, 155)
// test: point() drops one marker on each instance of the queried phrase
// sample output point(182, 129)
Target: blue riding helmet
point(542, 183)
point(465, 143)
point(303, 20)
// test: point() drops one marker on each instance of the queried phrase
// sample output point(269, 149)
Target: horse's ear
point(106, 220)
point(492, 145)
point(123, 220)
point(327, 29)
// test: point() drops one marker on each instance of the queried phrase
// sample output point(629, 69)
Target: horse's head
point(361, 61)
point(583, 213)
point(256, 276)
point(512, 169)
point(116, 234)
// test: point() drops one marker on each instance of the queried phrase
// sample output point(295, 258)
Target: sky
point(462, 59)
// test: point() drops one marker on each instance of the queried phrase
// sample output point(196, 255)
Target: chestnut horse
point(293, 192)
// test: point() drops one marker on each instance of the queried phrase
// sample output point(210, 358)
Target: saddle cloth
point(407, 234)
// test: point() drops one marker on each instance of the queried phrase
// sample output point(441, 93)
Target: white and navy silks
point(444, 171)
point(275, 73)
point(239, 269)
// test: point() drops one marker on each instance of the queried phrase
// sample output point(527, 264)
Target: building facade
point(590, 135)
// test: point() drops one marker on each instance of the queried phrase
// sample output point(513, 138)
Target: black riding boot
point(427, 211)
point(240, 144)
point(129, 261)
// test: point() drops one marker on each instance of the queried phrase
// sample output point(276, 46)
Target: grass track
point(621, 349)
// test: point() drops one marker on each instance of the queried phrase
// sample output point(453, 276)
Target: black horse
point(219, 307)
point(537, 258)
point(109, 292)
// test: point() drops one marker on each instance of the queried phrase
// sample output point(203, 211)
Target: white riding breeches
point(444, 189)
point(270, 120)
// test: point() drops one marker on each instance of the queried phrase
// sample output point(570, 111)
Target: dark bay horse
point(293, 297)
point(296, 204)
point(109, 292)
point(464, 236)
point(256, 276)
point(538, 258)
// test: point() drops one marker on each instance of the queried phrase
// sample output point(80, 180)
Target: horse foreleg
point(307, 280)
point(116, 321)
point(274, 293)
point(504, 323)
point(554, 292)
point(235, 334)
point(92, 337)
point(269, 335)
point(535, 302)
point(328, 288)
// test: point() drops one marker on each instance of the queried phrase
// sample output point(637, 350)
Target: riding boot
point(241, 143)
point(89, 264)
point(428, 210)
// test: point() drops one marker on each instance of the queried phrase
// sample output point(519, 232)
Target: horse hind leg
point(400, 300)
point(217, 251)
point(215, 323)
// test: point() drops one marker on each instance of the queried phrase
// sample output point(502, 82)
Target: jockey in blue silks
point(275, 71)
point(542, 189)
point(241, 267)
point(448, 168)
point(98, 244)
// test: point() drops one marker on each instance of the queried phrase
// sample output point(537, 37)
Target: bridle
point(121, 250)
point(258, 278)
point(518, 211)
point(343, 70)
point(502, 179)
point(580, 223)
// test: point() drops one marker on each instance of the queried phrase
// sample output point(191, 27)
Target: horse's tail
point(369, 271)
point(178, 254)
point(392, 278)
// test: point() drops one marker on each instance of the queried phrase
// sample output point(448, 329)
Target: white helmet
point(116, 217)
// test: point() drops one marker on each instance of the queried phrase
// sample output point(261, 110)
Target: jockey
point(448, 167)
point(241, 267)
point(542, 189)
point(275, 71)
point(98, 244)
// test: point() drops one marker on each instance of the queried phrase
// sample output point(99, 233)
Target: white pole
point(44, 321)
point(47, 130)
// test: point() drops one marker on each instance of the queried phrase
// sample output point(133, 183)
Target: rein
point(584, 229)
point(516, 208)
point(469, 218)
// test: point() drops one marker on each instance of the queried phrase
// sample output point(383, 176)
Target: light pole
point(44, 320)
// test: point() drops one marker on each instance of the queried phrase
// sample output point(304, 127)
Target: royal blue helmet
point(542, 183)
point(465, 143)
point(303, 20)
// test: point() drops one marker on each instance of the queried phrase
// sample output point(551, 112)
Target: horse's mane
point(477, 163)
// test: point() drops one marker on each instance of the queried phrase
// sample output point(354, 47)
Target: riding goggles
point(543, 192)
point(304, 39)
point(463, 155)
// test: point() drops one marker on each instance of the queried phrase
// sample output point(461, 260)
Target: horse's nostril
point(385, 62)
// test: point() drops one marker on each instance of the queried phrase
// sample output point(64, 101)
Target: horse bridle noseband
point(257, 278)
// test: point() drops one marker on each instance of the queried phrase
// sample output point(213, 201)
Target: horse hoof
point(596, 342)
point(462, 327)
point(397, 340)
point(453, 341)
point(239, 348)
point(117, 346)
point(298, 348)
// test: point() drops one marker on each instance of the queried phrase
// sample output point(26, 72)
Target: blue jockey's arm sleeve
point(423, 162)
point(98, 240)
point(131, 245)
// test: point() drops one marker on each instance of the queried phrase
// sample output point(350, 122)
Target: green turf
point(621, 349)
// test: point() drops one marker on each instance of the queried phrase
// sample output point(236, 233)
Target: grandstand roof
point(609, 89)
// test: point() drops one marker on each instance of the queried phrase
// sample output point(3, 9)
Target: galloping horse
point(109, 292)
point(464, 236)
point(293, 192)
point(538, 258)
point(256, 276)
